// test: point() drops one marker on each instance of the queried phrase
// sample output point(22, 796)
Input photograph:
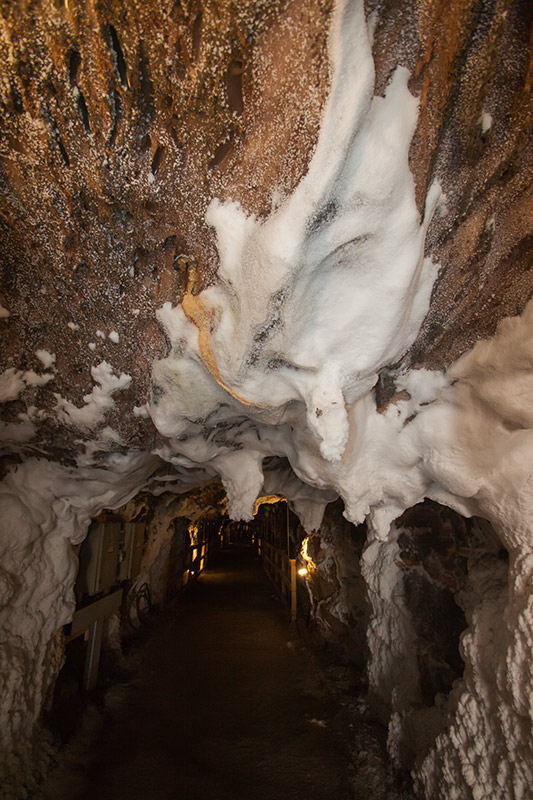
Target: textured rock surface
point(121, 123)
point(439, 614)
point(340, 608)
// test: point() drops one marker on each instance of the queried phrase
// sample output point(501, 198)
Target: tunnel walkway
point(226, 705)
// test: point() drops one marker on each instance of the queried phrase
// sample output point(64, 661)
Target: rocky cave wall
point(287, 246)
point(407, 613)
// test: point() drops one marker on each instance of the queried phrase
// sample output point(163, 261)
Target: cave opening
point(221, 670)
point(113, 590)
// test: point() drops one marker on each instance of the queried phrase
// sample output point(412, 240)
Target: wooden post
point(92, 618)
point(288, 531)
point(292, 562)
point(92, 659)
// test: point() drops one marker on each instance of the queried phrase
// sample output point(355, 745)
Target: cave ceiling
point(122, 121)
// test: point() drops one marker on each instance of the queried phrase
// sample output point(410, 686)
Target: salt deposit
point(13, 382)
point(98, 402)
point(46, 358)
point(279, 357)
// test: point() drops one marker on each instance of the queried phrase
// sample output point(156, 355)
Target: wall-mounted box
point(99, 558)
point(133, 548)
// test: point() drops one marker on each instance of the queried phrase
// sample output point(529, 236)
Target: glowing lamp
point(302, 571)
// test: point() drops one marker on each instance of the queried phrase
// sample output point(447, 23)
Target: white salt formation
point(296, 329)
point(47, 359)
point(485, 121)
point(14, 381)
point(279, 357)
point(98, 402)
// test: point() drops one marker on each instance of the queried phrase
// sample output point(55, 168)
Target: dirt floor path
point(226, 704)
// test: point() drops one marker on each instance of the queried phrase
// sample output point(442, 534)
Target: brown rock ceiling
point(120, 122)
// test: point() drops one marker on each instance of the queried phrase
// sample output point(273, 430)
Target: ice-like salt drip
point(312, 302)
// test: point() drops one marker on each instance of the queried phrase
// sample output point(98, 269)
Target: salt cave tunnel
point(266, 253)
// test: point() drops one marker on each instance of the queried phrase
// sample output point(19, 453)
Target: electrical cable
point(143, 606)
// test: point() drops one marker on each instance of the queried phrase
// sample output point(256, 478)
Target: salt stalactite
point(294, 331)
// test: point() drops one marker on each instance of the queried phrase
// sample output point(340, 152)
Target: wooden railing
point(184, 567)
point(282, 572)
point(90, 621)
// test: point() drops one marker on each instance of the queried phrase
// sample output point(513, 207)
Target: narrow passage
point(226, 706)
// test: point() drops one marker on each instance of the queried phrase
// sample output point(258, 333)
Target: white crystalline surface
point(98, 402)
point(296, 328)
point(14, 381)
point(485, 121)
point(278, 358)
point(47, 359)
point(11, 384)
point(44, 509)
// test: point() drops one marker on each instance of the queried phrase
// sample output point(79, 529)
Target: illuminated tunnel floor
point(226, 705)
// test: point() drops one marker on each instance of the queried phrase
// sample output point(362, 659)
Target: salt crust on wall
point(278, 358)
